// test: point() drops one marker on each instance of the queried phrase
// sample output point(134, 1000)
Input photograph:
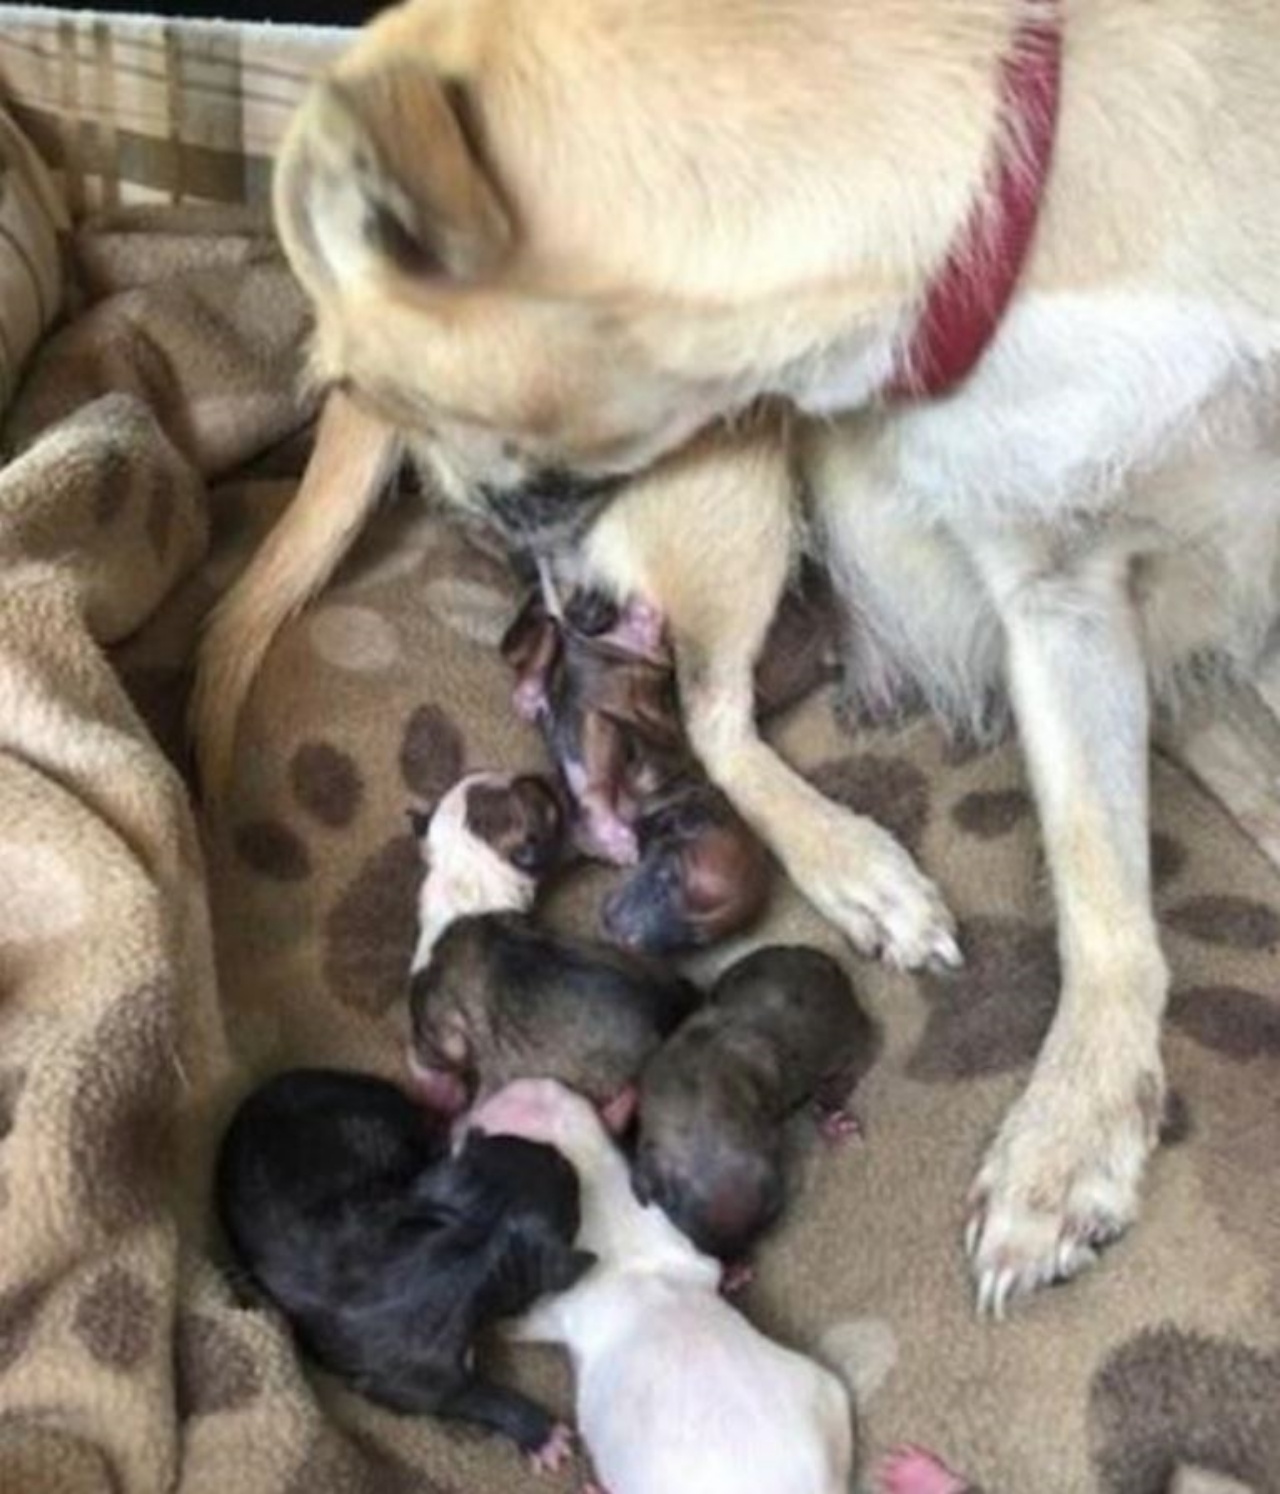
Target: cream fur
point(701, 205)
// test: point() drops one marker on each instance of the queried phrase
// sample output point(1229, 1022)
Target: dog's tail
point(355, 456)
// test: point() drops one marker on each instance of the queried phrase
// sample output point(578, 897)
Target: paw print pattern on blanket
point(213, 1371)
point(117, 1319)
point(326, 783)
point(892, 791)
point(1168, 1398)
point(119, 1138)
point(1236, 922)
point(368, 932)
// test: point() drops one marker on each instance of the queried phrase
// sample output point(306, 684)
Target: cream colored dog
point(547, 243)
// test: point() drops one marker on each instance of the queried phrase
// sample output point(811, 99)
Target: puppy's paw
point(736, 1277)
point(555, 1452)
point(859, 877)
point(530, 700)
point(1060, 1182)
point(911, 1470)
point(839, 1125)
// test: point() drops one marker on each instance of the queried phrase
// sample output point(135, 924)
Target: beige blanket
point(127, 1361)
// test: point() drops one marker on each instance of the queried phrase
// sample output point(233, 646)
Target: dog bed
point(155, 962)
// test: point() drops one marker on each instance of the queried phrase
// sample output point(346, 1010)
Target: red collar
point(964, 304)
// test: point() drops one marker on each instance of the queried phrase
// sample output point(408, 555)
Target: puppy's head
point(488, 842)
point(720, 1190)
point(407, 204)
point(702, 876)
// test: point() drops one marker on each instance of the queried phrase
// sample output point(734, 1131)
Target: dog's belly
point(1198, 531)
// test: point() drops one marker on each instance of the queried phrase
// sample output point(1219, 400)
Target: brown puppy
point(600, 680)
point(492, 997)
point(503, 999)
point(702, 874)
point(537, 250)
point(781, 1029)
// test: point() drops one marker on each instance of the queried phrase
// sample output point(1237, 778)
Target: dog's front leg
point(1062, 1177)
point(709, 540)
point(852, 870)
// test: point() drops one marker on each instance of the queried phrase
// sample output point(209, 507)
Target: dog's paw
point(864, 882)
point(911, 1470)
point(555, 1452)
point(1060, 1182)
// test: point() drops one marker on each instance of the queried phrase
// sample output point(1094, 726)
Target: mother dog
point(1022, 258)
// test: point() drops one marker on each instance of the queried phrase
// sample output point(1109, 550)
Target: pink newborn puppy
point(675, 1389)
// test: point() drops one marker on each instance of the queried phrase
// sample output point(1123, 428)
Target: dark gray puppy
point(503, 999)
point(388, 1255)
point(781, 1029)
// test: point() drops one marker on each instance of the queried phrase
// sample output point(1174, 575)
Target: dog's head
point(431, 312)
point(454, 299)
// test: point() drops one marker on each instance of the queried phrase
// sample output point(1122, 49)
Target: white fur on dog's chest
point(1079, 392)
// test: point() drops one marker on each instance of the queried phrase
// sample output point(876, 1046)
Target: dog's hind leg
point(1062, 1177)
point(1233, 751)
point(710, 541)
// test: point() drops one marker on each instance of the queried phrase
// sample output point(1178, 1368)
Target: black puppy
point(503, 999)
point(388, 1255)
point(781, 1029)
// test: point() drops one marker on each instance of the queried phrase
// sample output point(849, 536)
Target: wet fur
point(608, 710)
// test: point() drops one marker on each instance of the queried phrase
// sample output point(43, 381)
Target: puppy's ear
point(378, 172)
point(420, 817)
point(563, 1267)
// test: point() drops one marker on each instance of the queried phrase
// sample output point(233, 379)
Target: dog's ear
point(379, 171)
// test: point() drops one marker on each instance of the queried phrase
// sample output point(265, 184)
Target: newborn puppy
point(492, 997)
point(702, 874)
point(486, 846)
point(781, 1028)
point(675, 1389)
point(502, 999)
point(387, 1255)
point(600, 680)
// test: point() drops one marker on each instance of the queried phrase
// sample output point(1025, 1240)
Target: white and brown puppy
point(547, 243)
point(675, 1389)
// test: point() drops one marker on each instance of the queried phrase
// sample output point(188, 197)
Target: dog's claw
point(946, 955)
point(555, 1452)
